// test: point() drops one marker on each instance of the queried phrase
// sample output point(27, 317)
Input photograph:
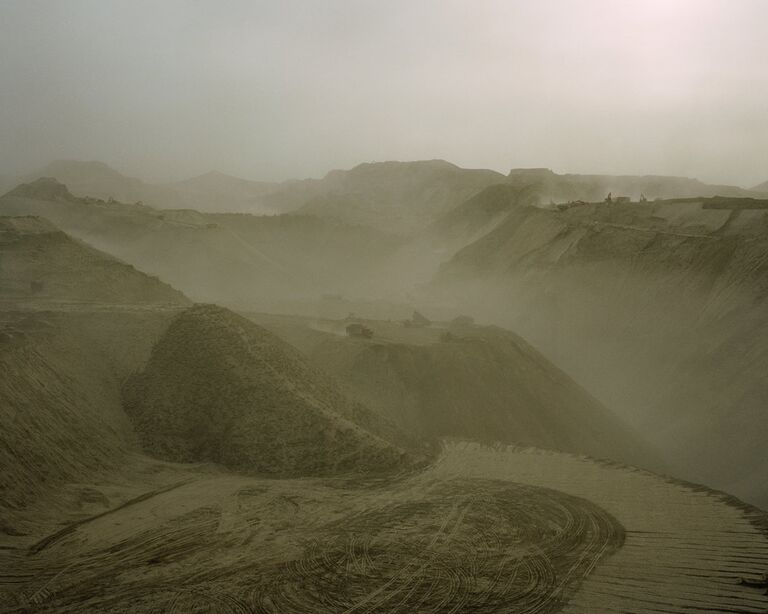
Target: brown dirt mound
point(220, 388)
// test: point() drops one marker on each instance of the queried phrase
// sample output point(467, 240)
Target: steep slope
point(40, 262)
point(479, 214)
point(659, 309)
point(226, 257)
point(221, 193)
point(465, 381)
point(220, 388)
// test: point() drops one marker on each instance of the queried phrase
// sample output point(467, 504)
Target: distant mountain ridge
point(98, 180)
point(392, 196)
point(561, 188)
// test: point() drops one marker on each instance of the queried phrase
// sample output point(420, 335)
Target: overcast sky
point(277, 89)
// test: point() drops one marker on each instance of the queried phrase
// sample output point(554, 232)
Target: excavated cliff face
point(220, 388)
point(659, 309)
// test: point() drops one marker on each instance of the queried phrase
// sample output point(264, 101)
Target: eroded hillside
point(658, 308)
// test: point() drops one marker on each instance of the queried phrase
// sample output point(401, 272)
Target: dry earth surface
point(484, 529)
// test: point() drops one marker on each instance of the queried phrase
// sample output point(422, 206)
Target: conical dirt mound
point(220, 388)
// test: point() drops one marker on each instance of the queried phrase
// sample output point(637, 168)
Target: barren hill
point(472, 382)
point(221, 193)
point(401, 197)
point(98, 180)
point(222, 258)
point(657, 308)
point(40, 262)
point(220, 388)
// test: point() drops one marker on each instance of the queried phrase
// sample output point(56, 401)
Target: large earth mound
point(220, 388)
point(464, 381)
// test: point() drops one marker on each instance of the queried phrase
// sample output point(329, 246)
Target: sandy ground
point(686, 547)
point(485, 529)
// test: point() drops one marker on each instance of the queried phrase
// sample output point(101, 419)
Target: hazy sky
point(269, 90)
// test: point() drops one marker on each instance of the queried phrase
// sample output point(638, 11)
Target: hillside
point(60, 404)
point(395, 197)
point(594, 188)
point(478, 215)
point(219, 388)
point(763, 187)
point(221, 193)
point(468, 382)
point(226, 257)
point(659, 309)
point(98, 180)
point(400, 197)
point(38, 262)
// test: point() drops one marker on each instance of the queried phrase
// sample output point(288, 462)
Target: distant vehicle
point(617, 199)
point(418, 320)
point(358, 330)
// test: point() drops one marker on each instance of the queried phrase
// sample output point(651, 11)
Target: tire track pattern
point(445, 546)
point(687, 548)
point(479, 546)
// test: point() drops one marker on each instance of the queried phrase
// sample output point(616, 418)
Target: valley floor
point(484, 529)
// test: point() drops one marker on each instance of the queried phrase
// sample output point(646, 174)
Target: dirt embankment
point(474, 382)
point(60, 405)
point(220, 388)
point(659, 309)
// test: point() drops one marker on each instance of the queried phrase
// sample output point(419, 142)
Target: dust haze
point(276, 90)
point(383, 307)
